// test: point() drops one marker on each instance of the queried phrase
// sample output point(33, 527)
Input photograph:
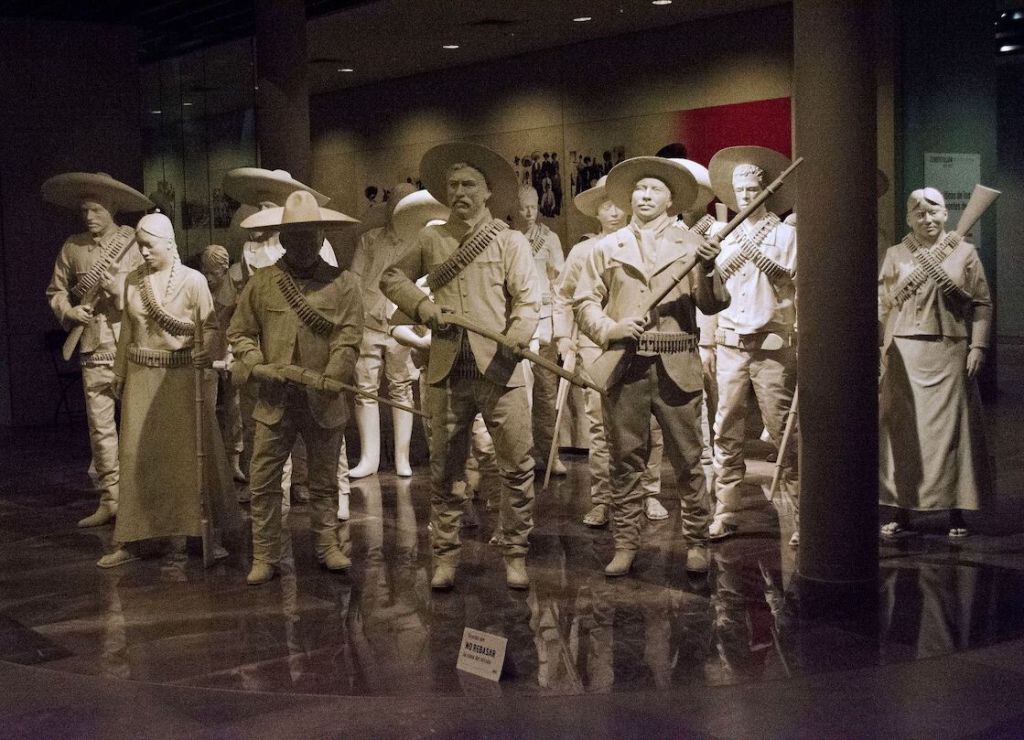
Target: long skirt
point(159, 465)
point(932, 450)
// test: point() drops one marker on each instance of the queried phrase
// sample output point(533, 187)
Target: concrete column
point(282, 98)
point(834, 97)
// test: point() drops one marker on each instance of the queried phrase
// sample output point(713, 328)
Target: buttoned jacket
point(266, 330)
point(498, 290)
point(615, 283)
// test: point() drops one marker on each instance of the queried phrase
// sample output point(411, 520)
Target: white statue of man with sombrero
point(594, 202)
point(663, 374)
point(85, 291)
point(477, 267)
point(755, 337)
point(377, 249)
point(298, 311)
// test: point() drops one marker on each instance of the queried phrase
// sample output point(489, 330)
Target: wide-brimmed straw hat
point(772, 162)
point(254, 185)
point(591, 199)
point(623, 178)
point(415, 211)
point(501, 178)
point(300, 210)
point(704, 192)
point(69, 189)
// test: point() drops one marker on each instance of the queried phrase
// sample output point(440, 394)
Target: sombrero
point(591, 199)
point(704, 192)
point(415, 211)
point(501, 178)
point(300, 210)
point(624, 176)
point(772, 162)
point(253, 185)
point(71, 188)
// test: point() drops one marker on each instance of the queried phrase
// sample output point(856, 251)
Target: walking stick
point(786, 435)
point(205, 526)
point(563, 394)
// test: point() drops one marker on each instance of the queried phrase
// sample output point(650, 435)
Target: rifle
point(205, 525)
point(560, 402)
point(787, 435)
point(312, 379)
point(525, 354)
point(981, 198)
point(89, 299)
point(612, 361)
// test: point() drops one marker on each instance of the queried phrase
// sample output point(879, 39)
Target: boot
point(335, 560)
point(368, 421)
point(402, 421)
point(104, 513)
point(621, 563)
point(515, 572)
point(260, 573)
point(444, 576)
point(236, 468)
point(696, 559)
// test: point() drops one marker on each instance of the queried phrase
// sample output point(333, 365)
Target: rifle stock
point(312, 379)
point(609, 365)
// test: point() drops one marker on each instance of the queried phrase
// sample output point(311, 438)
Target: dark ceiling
point(167, 28)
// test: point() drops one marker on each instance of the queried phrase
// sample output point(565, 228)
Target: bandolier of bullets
point(447, 270)
point(703, 225)
point(537, 240)
point(750, 252)
point(100, 268)
point(317, 322)
point(159, 357)
point(930, 263)
point(664, 342)
point(171, 325)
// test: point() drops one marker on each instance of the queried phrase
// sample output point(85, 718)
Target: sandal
point(598, 516)
point(653, 509)
point(958, 533)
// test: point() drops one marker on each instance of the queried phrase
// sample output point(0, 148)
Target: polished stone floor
point(161, 647)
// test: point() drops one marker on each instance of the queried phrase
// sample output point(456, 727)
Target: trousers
point(99, 408)
point(645, 389)
point(453, 404)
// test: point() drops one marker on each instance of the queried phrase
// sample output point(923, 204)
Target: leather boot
point(104, 513)
point(515, 572)
point(402, 421)
point(621, 563)
point(335, 560)
point(368, 421)
point(444, 576)
point(260, 573)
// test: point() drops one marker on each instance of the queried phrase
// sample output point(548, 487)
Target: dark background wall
point(69, 100)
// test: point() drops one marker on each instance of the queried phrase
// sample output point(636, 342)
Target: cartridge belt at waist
point(766, 340)
point(666, 342)
point(159, 357)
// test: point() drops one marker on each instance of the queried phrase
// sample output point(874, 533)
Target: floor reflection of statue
point(85, 295)
point(934, 607)
point(388, 628)
point(935, 303)
point(154, 373)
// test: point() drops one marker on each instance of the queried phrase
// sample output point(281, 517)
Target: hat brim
point(590, 200)
point(70, 188)
point(501, 178)
point(270, 218)
point(623, 178)
point(253, 185)
point(772, 162)
point(415, 211)
point(704, 192)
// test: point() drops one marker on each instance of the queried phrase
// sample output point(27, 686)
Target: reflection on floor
point(380, 632)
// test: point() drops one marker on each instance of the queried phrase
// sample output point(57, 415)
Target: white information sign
point(954, 175)
point(481, 654)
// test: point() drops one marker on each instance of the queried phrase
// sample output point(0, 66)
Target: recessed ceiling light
point(156, 112)
point(187, 102)
point(345, 69)
point(1010, 47)
point(661, 2)
point(450, 46)
point(583, 19)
